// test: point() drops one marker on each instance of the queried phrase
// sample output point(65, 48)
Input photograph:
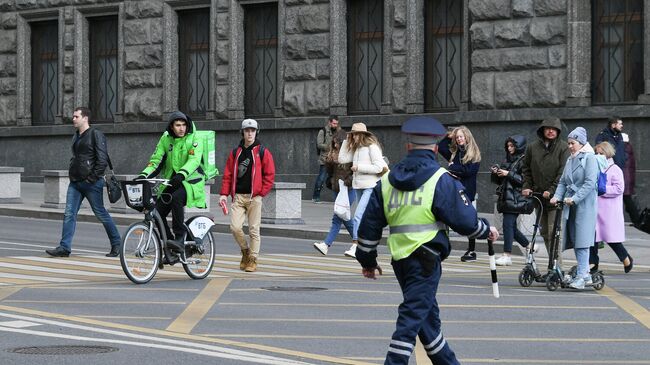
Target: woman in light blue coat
point(577, 189)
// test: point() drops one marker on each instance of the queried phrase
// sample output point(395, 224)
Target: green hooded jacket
point(543, 164)
point(180, 155)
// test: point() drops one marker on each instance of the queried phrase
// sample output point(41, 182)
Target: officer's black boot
point(178, 243)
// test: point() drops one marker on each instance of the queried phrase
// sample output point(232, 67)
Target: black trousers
point(173, 200)
point(630, 208)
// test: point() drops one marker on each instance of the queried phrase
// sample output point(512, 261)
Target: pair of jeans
point(511, 232)
point(336, 223)
point(173, 200)
point(320, 180)
point(582, 257)
point(362, 197)
point(94, 193)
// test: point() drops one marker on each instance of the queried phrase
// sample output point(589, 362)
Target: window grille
point(260, 68)
point(45, 74)
point(365, 52)
point(443, 37)
point(193, 54)
point(103, 68)
point(617, 51)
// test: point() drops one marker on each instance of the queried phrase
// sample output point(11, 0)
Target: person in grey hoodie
point(323, 142)
point(544, 162)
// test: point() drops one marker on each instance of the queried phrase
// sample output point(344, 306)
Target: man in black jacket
point(86, 172)
point(612, 134)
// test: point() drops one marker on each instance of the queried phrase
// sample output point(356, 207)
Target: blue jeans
point(511, 232)
point(77, 191)
point(582, 257)
point(320, 180)
point(363, 196)
point(336, 223)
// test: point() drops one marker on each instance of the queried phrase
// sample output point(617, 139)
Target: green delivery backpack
point(208, 165)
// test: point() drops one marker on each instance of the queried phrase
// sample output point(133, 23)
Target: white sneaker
point(578, 284)
point(588, 280)
point(504, 260)
point(352, 251)
point(321, 247)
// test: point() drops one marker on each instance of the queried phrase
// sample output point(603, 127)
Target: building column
point(338, 58)
point(415, 56)
point(579, 53)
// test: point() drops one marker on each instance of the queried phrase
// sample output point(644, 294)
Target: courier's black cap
point(423, 130)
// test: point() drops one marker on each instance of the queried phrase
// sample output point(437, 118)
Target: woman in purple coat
point(610, 226)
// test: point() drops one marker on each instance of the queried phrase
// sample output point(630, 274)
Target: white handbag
point(342, 202)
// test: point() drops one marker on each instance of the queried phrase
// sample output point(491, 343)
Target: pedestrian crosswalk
point(37, 269)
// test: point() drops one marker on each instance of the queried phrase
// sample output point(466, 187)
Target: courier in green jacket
point(177, 157)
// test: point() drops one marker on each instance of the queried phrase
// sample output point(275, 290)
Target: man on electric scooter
point(177, 157)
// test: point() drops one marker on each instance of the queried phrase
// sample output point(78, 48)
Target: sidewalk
point(317, 218)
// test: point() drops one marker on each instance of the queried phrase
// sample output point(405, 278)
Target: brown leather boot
point(245, 254)
point(252, 264)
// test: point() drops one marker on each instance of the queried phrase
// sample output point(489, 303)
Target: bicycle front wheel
point(200, 263)
point(140, 253)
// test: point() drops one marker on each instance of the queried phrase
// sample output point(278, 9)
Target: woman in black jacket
point(510, 201)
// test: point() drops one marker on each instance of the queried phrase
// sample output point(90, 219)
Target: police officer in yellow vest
point(416, 200)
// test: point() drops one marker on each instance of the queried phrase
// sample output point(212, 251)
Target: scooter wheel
point(552, 282)
point(599, 280)
point(526, 277)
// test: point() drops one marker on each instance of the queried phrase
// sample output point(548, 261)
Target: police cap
point(423, 130)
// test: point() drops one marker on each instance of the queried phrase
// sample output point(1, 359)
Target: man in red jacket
point(248, 177)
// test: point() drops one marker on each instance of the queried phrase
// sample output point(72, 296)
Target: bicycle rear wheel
point(201, 262)
point(140, 253)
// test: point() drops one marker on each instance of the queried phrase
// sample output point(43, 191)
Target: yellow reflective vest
point(409, 215)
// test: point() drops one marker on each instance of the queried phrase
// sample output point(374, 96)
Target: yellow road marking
point(492, 306)
point(628, 305)
point(421, 357)
point(153, 331)
point(7, 292)
point(200, 306)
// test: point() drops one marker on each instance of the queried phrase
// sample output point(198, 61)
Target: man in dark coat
point(543, 165)
point(612, 134)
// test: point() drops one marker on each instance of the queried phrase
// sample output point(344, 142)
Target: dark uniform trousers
point(418, 276)
point(174, 200)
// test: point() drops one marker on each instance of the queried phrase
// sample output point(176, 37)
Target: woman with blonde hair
point(460, 149)
point(364, 151)
point(610, 224)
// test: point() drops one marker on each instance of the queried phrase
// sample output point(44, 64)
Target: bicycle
point(144, 245)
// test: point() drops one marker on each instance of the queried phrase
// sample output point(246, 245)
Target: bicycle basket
point(138, 195)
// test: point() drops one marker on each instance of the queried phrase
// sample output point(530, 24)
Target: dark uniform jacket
point(543, 165)
point(89, 156)
point(451, 206)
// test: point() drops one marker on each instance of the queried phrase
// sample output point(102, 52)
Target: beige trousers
point(244, 207)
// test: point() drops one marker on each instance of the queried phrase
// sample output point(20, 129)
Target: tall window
point(193, 66)
point(45, 74)
point(443, 44)
point(260, 68)
point(617, 51)
point(365, 51)
point(103, 68)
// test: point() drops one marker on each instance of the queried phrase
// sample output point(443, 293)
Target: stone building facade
point(515, 63)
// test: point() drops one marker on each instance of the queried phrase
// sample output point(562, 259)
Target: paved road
point(300, 308)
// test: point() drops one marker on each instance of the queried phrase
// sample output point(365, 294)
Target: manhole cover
point(293, 288)
point(63, 350)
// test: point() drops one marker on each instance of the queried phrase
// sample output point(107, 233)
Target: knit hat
point(579, 134)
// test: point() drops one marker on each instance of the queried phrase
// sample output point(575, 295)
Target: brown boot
point(252, 264)
point(245, 254)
